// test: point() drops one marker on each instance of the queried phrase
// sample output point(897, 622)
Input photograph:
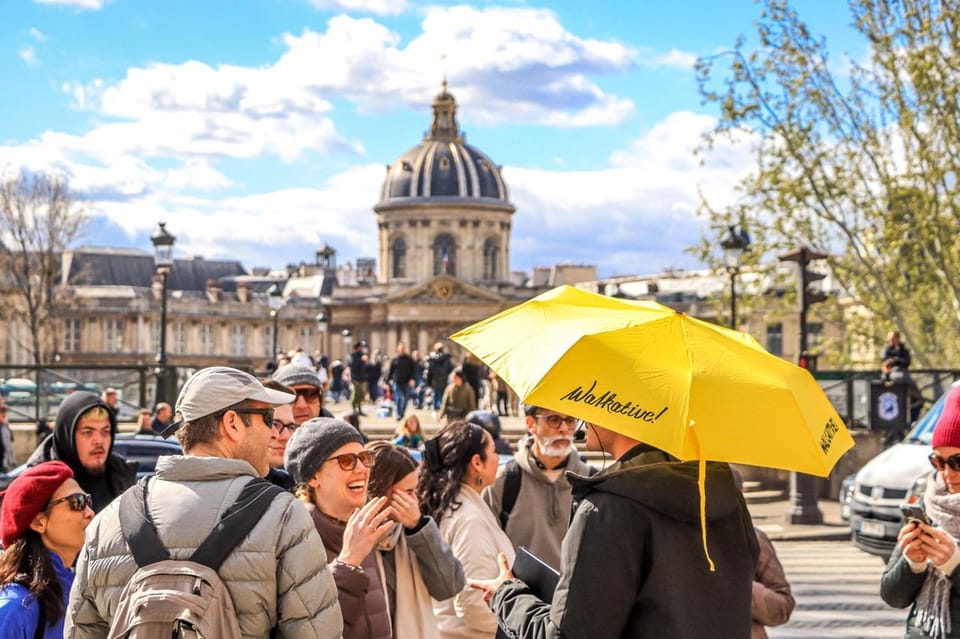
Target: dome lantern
point(444, 125)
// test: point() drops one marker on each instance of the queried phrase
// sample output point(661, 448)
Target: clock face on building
point(443, 290)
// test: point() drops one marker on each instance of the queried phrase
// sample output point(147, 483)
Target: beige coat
point(277, 576)
point(476, 539)
point(772, 602)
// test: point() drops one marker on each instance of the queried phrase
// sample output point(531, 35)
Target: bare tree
point(38, 222)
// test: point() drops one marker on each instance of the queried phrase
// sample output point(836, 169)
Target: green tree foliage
point(858, 157)
point(38, 222)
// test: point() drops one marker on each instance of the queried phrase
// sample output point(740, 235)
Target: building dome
point(443, 165)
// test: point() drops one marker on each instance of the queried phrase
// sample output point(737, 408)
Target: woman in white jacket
point(460, 462)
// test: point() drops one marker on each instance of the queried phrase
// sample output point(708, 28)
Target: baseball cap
point(213, 389)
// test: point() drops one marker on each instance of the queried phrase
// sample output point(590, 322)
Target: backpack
point(183, 599)
point(512, 477)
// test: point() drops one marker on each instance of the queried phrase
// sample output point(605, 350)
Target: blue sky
point(259, 129)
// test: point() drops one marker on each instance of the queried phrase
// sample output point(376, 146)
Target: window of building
point(155, 336)
point(179, 337)
point(238, 342)
point(775, 338)
point(398, 257)
point(491, 255)
point(444, 163)
point(206, 339)
point(306, 337)
point(71, 335)
point(444, 255)
point(268, 341)
point(114, 336)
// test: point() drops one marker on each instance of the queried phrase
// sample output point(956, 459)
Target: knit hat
point(27, 496)
point(313, 443)
point(294, 374)
point(947, 430)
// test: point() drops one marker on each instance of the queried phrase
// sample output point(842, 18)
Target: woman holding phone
point(922, 572)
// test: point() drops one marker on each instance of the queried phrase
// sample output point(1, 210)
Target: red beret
point(27, 496)
point(947, 430)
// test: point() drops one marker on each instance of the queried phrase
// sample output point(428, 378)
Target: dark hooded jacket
point(118, 474)
point(632, 561)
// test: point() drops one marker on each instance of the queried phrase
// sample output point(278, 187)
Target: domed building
point(444, 208)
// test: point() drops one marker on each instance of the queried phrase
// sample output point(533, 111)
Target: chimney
point(157, 286)
point(213, 290)
point(243, 292)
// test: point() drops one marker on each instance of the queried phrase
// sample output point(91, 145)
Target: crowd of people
point(409, 538)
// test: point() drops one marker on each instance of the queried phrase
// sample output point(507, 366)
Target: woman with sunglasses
point(460, 461)
point(331, 469)
point(922, 572)
point(417, 564)
point(42, 519)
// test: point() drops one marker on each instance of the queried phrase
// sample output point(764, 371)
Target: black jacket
point(118, 474)
point(402, 369)
point(632, 561)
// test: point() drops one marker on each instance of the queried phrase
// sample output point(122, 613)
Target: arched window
point(398, 257)
point(491, 255)
point(444, 255)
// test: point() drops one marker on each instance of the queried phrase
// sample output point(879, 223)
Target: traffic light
point(808, 295)
point(808, 361)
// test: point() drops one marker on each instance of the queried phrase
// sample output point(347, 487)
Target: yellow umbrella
point(689, 387)
point(694, 389)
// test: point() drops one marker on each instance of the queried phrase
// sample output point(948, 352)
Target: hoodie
point(632, 562)
point(118, 475)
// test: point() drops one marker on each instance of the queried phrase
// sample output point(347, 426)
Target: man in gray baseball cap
point(306, 383)
point(224, 421)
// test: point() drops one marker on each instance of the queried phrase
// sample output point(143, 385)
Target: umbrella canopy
point(686, 386)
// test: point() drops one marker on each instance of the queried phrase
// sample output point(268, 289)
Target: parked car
point(143, 449)
point(895, 476)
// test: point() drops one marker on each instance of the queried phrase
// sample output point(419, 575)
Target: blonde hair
point(403, 429)
point(97, 412)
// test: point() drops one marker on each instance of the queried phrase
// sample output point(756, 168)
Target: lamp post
point(347, 341)
point(162, 263)
point(275, 300)
point(733, 247)
point(323, 323)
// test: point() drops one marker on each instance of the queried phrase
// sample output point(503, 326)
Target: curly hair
point(27, 562)
point(439, 486)
point(392, 464)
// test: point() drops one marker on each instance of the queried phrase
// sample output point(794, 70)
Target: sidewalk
point(772, 518)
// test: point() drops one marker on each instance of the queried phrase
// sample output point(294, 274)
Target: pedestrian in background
point(408, 433)
point(922, 571)
point(439, 368)
point(417, 564)
point(356, 363)
point(42, 519)
point(460, 462)
point(458, 399)
point(327, 461)
point(8, 456)
point(403, 379)
point(163, 415)
point(144, 422)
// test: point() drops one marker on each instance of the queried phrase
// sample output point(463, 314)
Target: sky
point(260, 129)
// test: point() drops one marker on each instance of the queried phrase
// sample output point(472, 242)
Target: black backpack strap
point(236, 522)
point(511, 489)
point(137, 526)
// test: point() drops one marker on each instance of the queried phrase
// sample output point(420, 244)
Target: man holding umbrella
point(633, 563)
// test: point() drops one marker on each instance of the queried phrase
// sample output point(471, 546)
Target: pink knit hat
point(947, 430)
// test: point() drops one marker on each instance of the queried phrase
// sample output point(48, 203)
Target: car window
point(922, 433)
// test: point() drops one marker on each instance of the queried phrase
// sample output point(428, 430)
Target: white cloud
point(29, 56)
point(674, 59)
point(378, 7)
point(36, 34)
point(94, 5)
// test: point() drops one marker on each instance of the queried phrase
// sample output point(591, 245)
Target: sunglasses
point(555, 421)
point(267, 413)
point(348, 461)
point(77, 501)
point(939, 462)
point(280, 426)
point(310, 394)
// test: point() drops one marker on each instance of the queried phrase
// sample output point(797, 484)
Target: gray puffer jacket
point(277, 576)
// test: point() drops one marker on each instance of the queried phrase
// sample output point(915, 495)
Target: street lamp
point(162, 263)
point(347, 340)
point(276, 302)
point(733, 247)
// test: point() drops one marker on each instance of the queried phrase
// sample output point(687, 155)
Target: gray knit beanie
point(313, 443)
point(294, 374)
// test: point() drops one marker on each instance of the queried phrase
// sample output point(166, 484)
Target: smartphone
point(915, 512)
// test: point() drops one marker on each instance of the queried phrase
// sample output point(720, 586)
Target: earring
point(479, 481)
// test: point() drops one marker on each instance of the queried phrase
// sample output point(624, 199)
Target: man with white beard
point(531, 496)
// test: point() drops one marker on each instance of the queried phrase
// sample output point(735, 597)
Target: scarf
point(414, 617)
point(932, 609)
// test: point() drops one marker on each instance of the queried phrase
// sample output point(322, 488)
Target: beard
point(554, 445)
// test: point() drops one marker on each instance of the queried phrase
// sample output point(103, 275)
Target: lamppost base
point(804, 509)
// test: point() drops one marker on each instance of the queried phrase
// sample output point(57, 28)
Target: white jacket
point(277, 576)
point(476, 539)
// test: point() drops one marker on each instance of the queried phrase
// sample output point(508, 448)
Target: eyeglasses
point(77, 501)
point(309, 394)
point(348, 461)
point(267, 413)
point(939, 462)
point(290, 426)
point(555, 421)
